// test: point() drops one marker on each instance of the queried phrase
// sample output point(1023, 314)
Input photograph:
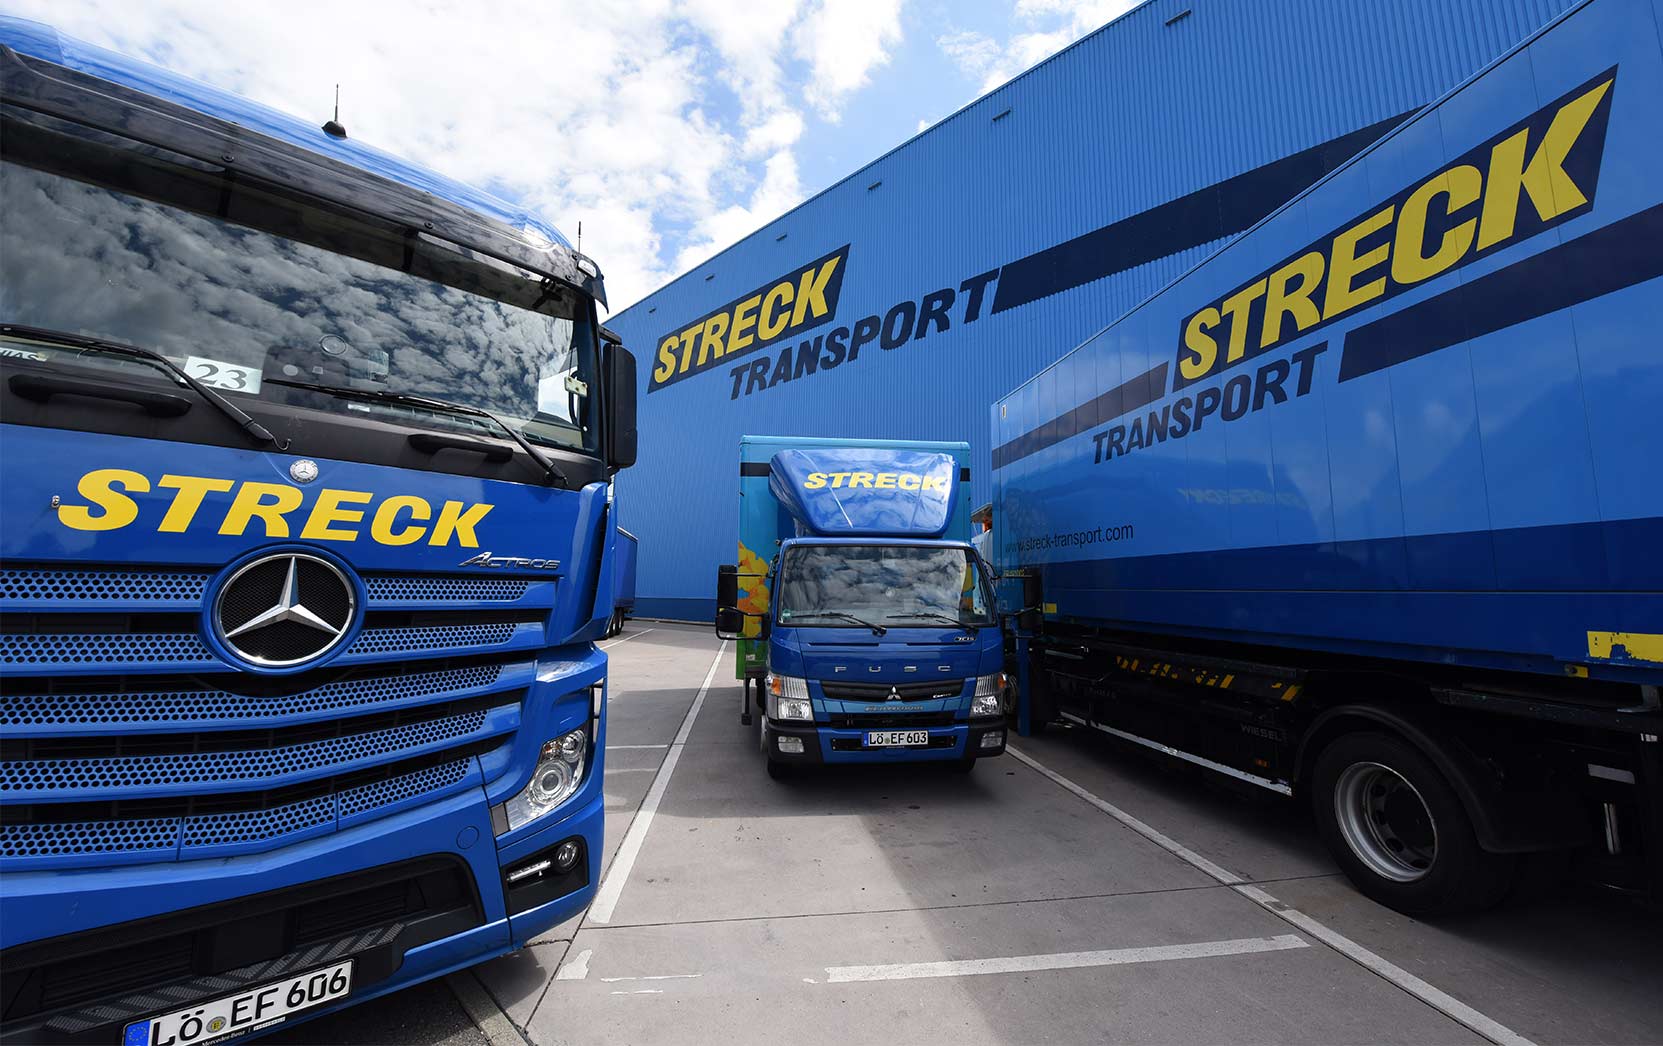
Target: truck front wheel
point(1399, 831)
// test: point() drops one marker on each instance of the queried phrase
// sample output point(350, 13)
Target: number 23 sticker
point(223, 375)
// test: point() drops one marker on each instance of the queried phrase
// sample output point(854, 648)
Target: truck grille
point(925, 691)
point(128, 739)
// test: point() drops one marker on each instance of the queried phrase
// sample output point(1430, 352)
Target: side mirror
point(1029, 620)
point(1032, 592)
point(727, 586)
point(730, 623)
point(619, 367)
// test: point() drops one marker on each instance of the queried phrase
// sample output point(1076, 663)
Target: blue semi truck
point(304, 544)
point(1367, 508)
point(865, 620)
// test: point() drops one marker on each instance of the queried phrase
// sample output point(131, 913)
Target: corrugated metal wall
point(1202, 122)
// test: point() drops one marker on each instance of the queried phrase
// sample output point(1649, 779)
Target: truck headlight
point(560, 768)
point(990, 696)
point(788, 698)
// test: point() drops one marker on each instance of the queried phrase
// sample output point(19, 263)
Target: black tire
point(963, 764)
point(1399, 831)
point(781, 771)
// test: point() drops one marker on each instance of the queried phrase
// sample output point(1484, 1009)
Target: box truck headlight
point(788, 698)
point(990, 696)
point(559, 772)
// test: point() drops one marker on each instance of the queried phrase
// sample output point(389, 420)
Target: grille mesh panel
point(432, 637)
point(157, 706)
point(88, 837)
point(91, 586)
point(216, 829)
point(101, 649)
point(386, 588)
point(405, 786)
point(138, 771)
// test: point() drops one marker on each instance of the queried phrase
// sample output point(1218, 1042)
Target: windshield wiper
point(407, 399)
point(877, 629)
point(932, 615)
point(256, 431)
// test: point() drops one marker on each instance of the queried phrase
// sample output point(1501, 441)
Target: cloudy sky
point(669, 128)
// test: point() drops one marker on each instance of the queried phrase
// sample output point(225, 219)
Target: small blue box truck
point(1367, 507)
point(865, 618)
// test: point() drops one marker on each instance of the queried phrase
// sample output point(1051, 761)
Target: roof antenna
point(580, 237)
point(334, 128)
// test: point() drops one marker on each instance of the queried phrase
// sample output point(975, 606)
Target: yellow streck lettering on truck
point(269, 501)
point(327, 511)
point(115, 509)
point(191, 491)
point(815, 481)
point(381, 528)
point(329, 514)
point(454, 520)
point(1436, 223)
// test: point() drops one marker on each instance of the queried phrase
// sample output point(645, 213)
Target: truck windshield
point(267, 295)
point(895, 585)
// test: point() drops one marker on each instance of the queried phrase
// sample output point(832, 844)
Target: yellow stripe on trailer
point(1636, 646)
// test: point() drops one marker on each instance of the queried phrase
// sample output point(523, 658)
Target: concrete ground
point(1070, 891)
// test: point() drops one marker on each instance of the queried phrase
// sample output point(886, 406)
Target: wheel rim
point(1385, 822)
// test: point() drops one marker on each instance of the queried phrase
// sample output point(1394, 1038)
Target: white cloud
point(844, 41)
point(1048, 27)
point(632, 116)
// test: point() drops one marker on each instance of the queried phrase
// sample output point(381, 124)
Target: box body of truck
point(885, 647)
point(301, 702)
point(1386, 464)
point(623, 597)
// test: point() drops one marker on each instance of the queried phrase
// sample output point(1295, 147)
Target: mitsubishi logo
point(894, 695)
point(284, 610)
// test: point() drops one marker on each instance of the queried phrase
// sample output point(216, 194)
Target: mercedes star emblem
point(285, 609)
point(303, 471)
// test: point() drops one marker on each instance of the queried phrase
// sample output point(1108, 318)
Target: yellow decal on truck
point(875, 481)
point(1635, 646)
point(1521, 182)
point(273, 510)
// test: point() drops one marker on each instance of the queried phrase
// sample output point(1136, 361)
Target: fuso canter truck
point(865, 619)
point(303, 549)
point(1367, 508)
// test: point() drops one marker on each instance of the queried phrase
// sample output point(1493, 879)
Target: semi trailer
point(304, 546)
point(864, 619)
point(623, 572)
point(1366, 508)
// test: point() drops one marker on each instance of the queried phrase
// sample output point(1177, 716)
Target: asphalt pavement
point(1071, 891)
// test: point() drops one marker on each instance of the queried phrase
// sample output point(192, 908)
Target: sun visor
point(854, 492)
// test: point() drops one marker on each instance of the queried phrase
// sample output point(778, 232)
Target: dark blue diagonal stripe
point(1128, 396)
point(1622, 254)
point(1203, 216)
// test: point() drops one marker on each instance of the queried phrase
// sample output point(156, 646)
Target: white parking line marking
point(906, 971)
point(643, 991)
point(575, 969)
point(1160, 839)
point(631, 769)
point(655, 977)
point(612, 885)
point(618, 748)
point(1450, 1007)
point(626, 639)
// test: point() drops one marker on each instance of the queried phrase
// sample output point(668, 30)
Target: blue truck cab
point(868, 634)
point(303, 554)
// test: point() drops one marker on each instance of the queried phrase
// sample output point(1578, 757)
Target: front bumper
point(823, 743)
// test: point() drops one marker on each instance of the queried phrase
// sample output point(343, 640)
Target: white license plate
point(897, 738)
point(232, 1015)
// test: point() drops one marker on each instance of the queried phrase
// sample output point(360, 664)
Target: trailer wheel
point(1399, 831)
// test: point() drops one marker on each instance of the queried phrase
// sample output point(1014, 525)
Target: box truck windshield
point(892, 584)
point(291, 301)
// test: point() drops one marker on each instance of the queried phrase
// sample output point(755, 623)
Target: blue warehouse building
point(901, 302)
